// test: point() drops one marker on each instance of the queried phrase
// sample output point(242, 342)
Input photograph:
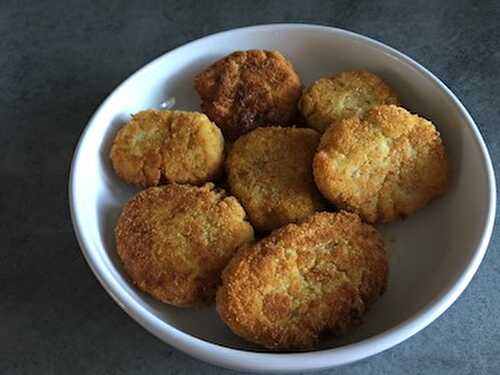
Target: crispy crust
point(269, 171)
point(172, 146)
point(248, 89)
point(174, 240)
point(329, 100)
point(383, 166)
point(303, 281)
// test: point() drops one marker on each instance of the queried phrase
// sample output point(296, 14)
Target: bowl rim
point(281, 362)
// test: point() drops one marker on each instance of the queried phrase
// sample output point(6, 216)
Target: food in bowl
point(452, 233)
point(316, 273)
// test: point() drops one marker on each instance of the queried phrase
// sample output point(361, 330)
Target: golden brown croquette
point(174, 240)
point(329, 100)
point(383, 166)
point(248, 89)
point(168, 146)
point(270, 171)
point(302, 281)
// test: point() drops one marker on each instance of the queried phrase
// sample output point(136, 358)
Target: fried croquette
point(269, 171)
point(174, 240)
point(304, 281)
point(383, 166)
point(168, 146)
point(248, 89)
point(329, 100)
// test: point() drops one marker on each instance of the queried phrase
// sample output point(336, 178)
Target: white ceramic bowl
point(433, 254)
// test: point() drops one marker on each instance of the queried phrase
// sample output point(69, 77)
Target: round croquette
point(168, 146)
point(269, 171)
point(383, 166)
point(329, 100)
point(249, 89)
point(174, 240)
point(304, 281)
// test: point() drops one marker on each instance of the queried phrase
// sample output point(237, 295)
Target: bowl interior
point(427, 252)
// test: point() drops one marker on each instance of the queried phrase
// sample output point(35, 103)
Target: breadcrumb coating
point(249, 89)
point(270, 171)
point(330, 100)
point(174, 240)
point(384, 166)
point(304, 281)
point(168, 146)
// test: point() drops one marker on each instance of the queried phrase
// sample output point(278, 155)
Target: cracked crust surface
point(383, 166)
point(329, 100)
point(269, 171)
point(248, 89)
point(172, 146)
point(304, 281)
point(174, 240)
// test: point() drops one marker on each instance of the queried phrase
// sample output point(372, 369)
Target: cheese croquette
point(304, 281)
point(384, 165)
point(269, 171)
point(174, 240)
point(248, 89)
point(168, 146)
point(329, 100)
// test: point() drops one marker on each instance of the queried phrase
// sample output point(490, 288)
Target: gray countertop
point(59, 60)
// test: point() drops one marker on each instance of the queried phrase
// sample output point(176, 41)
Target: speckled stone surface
point(59, 60)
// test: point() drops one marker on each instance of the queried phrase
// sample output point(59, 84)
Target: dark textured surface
point(58, 60)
